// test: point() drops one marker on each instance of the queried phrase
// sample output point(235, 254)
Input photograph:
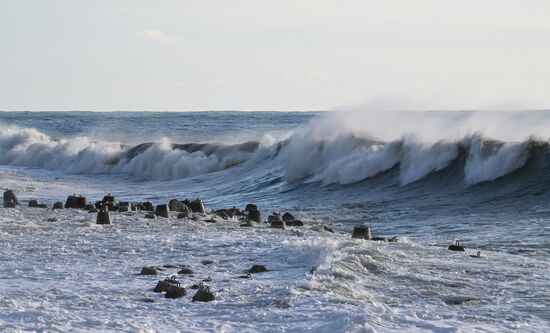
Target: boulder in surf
point(362, 232)
point(196, 206)
point(103, 217)
point(178, 206)
point(457, 247)
point(163, 211)
point(204, 294)
point(9, 195)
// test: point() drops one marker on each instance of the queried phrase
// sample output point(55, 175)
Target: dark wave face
point(323, 160)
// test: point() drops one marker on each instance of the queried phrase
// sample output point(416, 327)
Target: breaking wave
point(316, 152)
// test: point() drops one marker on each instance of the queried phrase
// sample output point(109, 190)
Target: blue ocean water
point(429, 178)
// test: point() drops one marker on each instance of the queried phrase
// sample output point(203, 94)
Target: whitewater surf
point(430, 178)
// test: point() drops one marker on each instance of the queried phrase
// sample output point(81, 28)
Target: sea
point(428, 178)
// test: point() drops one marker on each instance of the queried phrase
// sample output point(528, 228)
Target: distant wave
point(337, 158)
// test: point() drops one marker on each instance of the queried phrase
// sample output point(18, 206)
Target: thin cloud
point(157, 36)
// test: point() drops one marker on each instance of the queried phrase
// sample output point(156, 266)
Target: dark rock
point(175, 292)
point(186, 271)
point(383, 239)
point(361, 231)
point(170, 266)
point(10, 198)
point(42, 205)
point(93, 211)
point(149, 271)
point(73, 201)
point(276, 221)
point(164, 285)
point(329, 229)
point(103, 217)
point(147, 300)
point(108, 198)
point(278, 225)
point(457, 247)
point(183, 215)
point(148, 206)
point(58, 205)
point(459, 300)
point(247, 276)
point(210, 221)
point(287, 217)
point(247, 224)
point(204, 295)
point(89, 207)
point(257, 269)
point(123, 208)
point(178, 206)
point(295, 223)
point(221, 213)
point(196, 206)
point(255, 216)
point(9, 204)
point(112, 208)
point(150, 216)
point(477, 255)
point(251, 208)
point(195, 286)
point(208, 262)
point(274, 218)
point(33, 203)
point(52, 219)
point(162, 210)
point(208, 279)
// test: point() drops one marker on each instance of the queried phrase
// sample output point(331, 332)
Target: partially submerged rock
point(148, 206)
point(362, 232)
point(162, 210)
point(171, 287)
point(186, 270)
point(255, 215)
point(257, 269)
point(276, 221)
point(9, 204)
point(178, 206)
point(90, 207)
point(103, 217)
point(58, 205)
point(10, 198)
point(149, 271)
point(204, 294)
point(175, 292)
point(196, 206)
point(74, 201)
point(287, 217)
point(459, 300)
point(250, 208)
point(457, 247)
point(108, 198)
point(295, 223)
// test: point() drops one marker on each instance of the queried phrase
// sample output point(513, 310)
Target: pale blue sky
point(273, 55)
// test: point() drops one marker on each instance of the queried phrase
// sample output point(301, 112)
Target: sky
point(274, 55)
